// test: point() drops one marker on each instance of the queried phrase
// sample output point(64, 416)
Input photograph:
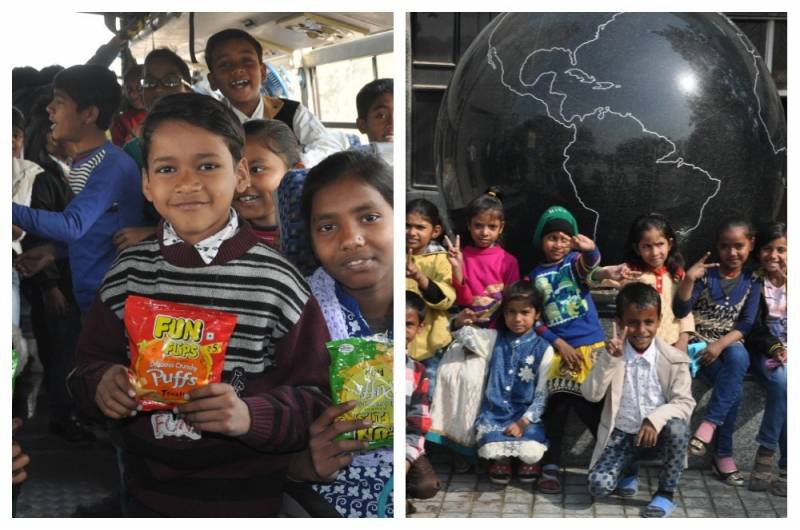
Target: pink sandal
point(698, 444)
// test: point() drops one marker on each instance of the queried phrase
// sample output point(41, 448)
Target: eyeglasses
point(170, 81)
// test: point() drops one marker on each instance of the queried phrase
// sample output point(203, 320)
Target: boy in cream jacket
point(648, 402)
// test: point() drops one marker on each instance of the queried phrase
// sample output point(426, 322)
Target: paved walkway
point(700, 494)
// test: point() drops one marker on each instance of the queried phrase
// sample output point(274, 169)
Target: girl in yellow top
point(429, 274)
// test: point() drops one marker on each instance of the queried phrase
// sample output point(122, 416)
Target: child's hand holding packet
point(175, 348)
point(361, 370)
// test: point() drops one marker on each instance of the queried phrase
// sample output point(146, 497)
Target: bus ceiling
point(280, 34)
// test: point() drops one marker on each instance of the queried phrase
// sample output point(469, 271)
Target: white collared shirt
point(209, 247)
point(641, 390)
point(316, 143)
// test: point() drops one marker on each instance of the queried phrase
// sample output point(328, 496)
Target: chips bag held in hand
point(361, 370)
point(175, 348)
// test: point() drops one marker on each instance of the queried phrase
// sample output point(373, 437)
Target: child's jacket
point(436, 331)
point(606, 381)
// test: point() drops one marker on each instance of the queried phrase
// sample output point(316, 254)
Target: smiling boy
point(222, 453)
point(375, 104)
point(648, 402)
point(236, 68)
point(105, 180)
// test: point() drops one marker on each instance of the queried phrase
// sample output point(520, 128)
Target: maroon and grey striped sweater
point(276, 360)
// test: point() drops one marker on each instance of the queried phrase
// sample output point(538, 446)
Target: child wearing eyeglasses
point(164, 73)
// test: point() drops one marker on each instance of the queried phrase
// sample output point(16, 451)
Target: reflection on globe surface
point(612, 116)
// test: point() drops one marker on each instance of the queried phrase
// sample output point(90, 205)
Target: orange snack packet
point(175, 348)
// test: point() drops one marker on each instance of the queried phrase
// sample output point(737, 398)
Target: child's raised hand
point(621, 273)
point(411, 268)
point(616, 344)
point(698, 270)
point(465, 317)
point(454, 254)
point(517, 428)
point(581, 243)
point(115, 396)
point(217, 408)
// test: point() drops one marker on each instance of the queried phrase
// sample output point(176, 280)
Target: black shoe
point(71, 431)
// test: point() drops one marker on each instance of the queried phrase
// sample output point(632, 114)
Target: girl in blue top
point(723, 298)
point(509, 424)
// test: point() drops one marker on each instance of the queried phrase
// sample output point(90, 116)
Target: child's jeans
point(621, 452)
point(726, 374)
point(772, 433)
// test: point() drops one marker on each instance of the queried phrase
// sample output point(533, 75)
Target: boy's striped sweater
point(276, 361)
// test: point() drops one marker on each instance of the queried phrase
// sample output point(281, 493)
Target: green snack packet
point(361, 370)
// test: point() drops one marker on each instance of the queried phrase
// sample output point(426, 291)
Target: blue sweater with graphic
point(110, 199)
point(569, 311)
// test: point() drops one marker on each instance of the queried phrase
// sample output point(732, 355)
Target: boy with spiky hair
point(105, 180)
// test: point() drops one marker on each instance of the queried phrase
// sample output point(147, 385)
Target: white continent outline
point(493, 56)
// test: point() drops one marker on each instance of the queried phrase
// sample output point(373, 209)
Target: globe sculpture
point(612, 115)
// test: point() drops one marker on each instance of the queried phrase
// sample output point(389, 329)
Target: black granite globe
point(612, 116)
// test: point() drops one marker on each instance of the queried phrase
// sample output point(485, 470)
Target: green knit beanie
point(554, 213)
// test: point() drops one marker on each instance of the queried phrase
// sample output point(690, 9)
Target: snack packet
point(361, 370)
point(175, 348)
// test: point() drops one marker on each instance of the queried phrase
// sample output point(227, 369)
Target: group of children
point(500, 376)
point(508, 358)
point(213, 237)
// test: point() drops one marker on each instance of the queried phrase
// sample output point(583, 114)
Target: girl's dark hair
point(277, 137)
point(491, 200)
point(769, 232)
point(368, 167)
point(736, 221)
point(169, 55)
point(198, 110)
point(642, 224)
point(521, 290)
point(426, 209)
